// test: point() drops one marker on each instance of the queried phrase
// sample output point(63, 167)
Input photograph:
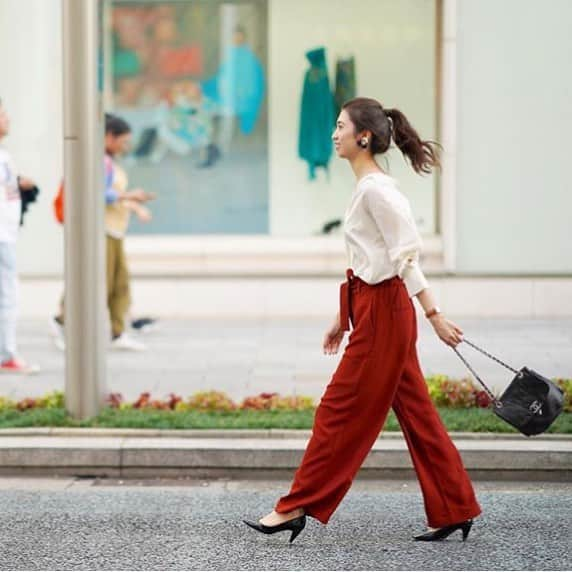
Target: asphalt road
point(192, 525)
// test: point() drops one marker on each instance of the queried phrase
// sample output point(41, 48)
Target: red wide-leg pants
point(379, 369)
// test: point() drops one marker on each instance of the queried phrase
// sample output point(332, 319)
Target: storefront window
point(214, 92)
point(191, 79)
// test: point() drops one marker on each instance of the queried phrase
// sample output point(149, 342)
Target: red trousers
point(379, 370)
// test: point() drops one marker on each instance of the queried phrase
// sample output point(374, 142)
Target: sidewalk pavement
point(266, 454)
point(245, 356)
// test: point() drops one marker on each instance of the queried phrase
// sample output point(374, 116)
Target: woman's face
point(344, 137)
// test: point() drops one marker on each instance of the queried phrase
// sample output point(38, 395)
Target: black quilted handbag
point(530, 403)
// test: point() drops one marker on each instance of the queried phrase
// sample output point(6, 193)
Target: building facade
point(238, 216)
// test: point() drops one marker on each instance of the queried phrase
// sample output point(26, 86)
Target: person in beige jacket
point(120, 203)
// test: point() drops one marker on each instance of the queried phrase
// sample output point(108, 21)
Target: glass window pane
point(190, 78)
point(214, 89)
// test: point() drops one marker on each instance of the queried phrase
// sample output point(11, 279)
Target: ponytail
point(423, 155)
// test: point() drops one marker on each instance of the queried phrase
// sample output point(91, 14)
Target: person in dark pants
point(379, 368)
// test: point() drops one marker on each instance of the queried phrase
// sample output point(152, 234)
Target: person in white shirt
point(10, 210)
point(379, 369)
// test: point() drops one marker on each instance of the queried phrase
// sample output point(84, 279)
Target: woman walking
point(379, 368)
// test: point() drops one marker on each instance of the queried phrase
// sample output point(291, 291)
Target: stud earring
point(364, 142)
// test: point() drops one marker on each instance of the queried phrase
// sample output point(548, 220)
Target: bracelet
point(433, 312)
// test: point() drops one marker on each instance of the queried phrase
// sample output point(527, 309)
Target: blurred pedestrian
point(120, 203)
point(11, 188)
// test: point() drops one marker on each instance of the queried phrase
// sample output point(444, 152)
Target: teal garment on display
point(317, 114)
point(345, 82)
point(126, 62)
point(238, 86)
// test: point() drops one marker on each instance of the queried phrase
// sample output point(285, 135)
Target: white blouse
point(382, 240)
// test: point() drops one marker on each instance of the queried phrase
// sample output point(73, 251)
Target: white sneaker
point(58, 334)
point(124, 342)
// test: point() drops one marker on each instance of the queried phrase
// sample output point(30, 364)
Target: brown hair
point(369, 115)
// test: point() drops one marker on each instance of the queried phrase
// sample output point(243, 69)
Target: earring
point(364, 142)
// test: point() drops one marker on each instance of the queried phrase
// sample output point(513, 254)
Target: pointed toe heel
point(446, 531)
point(296, 526)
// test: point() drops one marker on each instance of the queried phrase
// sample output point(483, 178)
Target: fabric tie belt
point(346, 295)
point(345, 301)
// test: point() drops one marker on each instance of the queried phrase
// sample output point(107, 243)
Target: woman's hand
point(449, 332)
point(333, 338)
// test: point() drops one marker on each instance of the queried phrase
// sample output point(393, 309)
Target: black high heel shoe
point(442, 533)
point(296, 525)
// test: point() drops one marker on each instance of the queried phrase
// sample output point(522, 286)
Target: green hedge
point(473, 419)
point(462, 406)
